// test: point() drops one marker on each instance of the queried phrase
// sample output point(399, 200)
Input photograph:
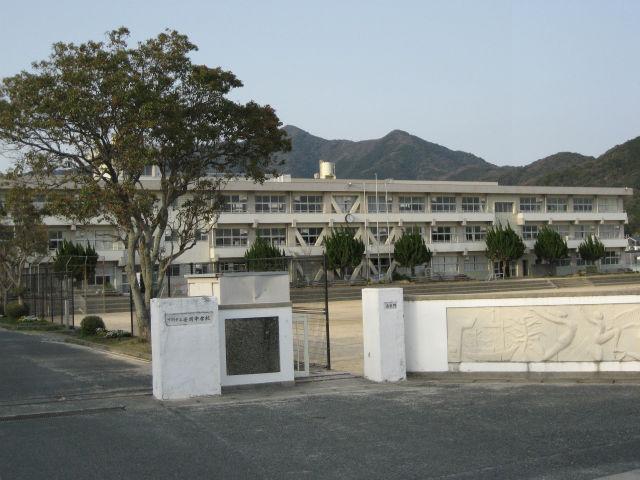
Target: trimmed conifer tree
point(550, 246)
point(591, 249)
point(410, 251)
point(343, 251)
point(504, 246)
point(262, 256)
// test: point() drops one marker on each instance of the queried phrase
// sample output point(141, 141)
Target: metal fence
point(62, 299)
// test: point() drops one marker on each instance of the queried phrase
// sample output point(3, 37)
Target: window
point(475, 263)
point(609, 230)
point(271, 204)
point(561, 228)
point(201, 268)
point(55, 240)
point(307, 203)
point(345, 202)
point(234, 203)
point(412, 204)
point(381, 234)
point(202, 236)
point(443, 204)
point(472, 204)
point(148, 171)
point(274, 235)
point(583, 231)
point(556, 204)
point(309, 234)
point(530, 204)
point(529, 232)
point(231, 237)
point(379, 205)
point(582, 204)
point(444, 264)
point(611, 258)
point(503, 207)
point(441, 234)
point(232, 267)
point(173, 270)
point(607, 204)
point(475, 233)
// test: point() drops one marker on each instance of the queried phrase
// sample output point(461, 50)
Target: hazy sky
point(511, 81)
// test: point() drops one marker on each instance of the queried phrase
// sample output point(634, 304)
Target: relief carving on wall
point(555, 333)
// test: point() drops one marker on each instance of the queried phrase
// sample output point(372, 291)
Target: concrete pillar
point(185, 347)
point(383, 334)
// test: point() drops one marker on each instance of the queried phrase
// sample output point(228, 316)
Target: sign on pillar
point(383, 334)
point(185, 347)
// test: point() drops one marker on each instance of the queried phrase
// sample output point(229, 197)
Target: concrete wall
point(590, 333)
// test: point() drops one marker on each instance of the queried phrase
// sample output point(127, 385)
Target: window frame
point(443, 203)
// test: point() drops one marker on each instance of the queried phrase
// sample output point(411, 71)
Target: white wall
point(426, 336)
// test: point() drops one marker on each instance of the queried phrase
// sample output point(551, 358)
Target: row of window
point(580, 232)
point(413, 204)
point(233, 237)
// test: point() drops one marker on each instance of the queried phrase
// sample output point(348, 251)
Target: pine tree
point(550, 246)
point(504, 245)
point(591, 249)
point(410, 250)
point(343, 251)
point(262, 256)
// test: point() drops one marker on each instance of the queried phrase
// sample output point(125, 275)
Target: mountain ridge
point(404, 156)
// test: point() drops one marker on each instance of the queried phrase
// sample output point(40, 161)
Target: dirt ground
point(345, 331)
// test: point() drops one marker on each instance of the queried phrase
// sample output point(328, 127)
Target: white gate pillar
point(185, 347)
point(383, 334)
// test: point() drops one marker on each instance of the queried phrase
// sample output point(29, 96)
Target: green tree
point(262, 256)
point(550, 246)
point(591, 249)
point(23, 238)
point(76, 260)
point(410, 250)
point(343, 251)
point(103, 114)
point(504, 246)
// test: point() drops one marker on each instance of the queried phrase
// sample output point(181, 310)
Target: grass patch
point(134, 346)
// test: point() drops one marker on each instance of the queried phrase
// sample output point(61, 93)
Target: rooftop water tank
point(327, 169)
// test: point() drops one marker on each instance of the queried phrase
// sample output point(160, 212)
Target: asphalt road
point(67, 412)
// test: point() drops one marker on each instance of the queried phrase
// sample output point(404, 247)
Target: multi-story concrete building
point(295, 214)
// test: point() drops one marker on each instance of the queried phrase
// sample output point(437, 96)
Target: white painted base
point(546, 367)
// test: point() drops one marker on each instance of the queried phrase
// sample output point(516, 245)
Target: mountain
point(403, 156)
point(396, 155)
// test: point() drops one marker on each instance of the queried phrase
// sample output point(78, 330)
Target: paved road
point(346, 428)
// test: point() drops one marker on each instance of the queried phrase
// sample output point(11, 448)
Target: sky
point(510, 81)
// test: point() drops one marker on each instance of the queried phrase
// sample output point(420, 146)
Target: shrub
point(90, 324)
point(16, 310)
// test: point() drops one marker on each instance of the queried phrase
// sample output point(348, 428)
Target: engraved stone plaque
point(252, 345)
point(191, 318)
